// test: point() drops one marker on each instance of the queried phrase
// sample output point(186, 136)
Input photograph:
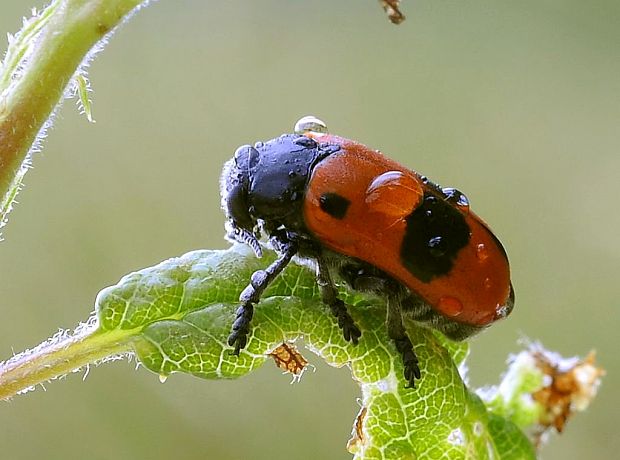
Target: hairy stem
point(39, 64)
point(59, 357)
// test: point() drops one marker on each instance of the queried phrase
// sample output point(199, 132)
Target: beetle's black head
point(264, 186)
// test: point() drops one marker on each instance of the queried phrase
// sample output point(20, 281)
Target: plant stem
point(59, 357)
point(38, 67)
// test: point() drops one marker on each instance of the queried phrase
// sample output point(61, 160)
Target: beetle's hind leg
point(397, 333)
point(329, 294)
point(259, 281)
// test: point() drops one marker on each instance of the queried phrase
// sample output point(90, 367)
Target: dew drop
point(310, 124)
point(457, 437)
point(450, 306)
point(501, 311)
point(457, 198)
point(163, 378)
point(393, 193)
point(258, 145)
point(488, 283)
point(482, 253)
point(436, 246)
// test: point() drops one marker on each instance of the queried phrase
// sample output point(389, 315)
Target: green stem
point(56, 358)
point(37, 69)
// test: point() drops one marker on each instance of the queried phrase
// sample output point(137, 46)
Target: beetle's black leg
point(329, 293)
point(259, 281)
point(397, 333)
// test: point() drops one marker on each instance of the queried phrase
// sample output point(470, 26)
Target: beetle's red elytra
point(371, 223)
point(468, 281)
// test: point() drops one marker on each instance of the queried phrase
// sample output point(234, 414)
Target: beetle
point(367, 221)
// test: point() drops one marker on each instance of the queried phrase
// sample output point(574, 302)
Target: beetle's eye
point(393, 193)
point(246, 157)
point(310, 124)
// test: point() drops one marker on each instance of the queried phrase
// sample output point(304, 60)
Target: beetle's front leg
point(251, 295)
point(329, 294)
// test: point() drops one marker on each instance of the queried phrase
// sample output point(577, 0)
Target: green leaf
point(85, 105)
point(178, 316)
point(524, 377)
point(510, 441)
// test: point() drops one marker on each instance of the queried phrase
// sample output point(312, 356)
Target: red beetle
point(372, 223)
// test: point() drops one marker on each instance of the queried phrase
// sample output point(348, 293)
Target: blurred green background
point(517, 103)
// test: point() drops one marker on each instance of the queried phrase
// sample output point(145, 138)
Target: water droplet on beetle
point(310, 124)
point(292, 174)
point(501, 311)
point(482, 253)
point(450, 306)
point(436, 246)
point(457, 198)
point(393, 193)
point(163, 378)
point(488, 283)
point(258, 145)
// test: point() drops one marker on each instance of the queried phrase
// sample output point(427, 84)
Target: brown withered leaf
point(392, 10)
point(288, 358)
point(357, 435)
point(571, 387)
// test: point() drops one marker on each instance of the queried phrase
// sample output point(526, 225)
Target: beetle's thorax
point(265, 184)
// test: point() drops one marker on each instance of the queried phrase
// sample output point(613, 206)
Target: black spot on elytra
point(436, 232)
point(335, 205)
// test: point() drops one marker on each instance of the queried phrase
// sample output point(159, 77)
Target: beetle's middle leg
point(329, 294)
point(397, 333)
